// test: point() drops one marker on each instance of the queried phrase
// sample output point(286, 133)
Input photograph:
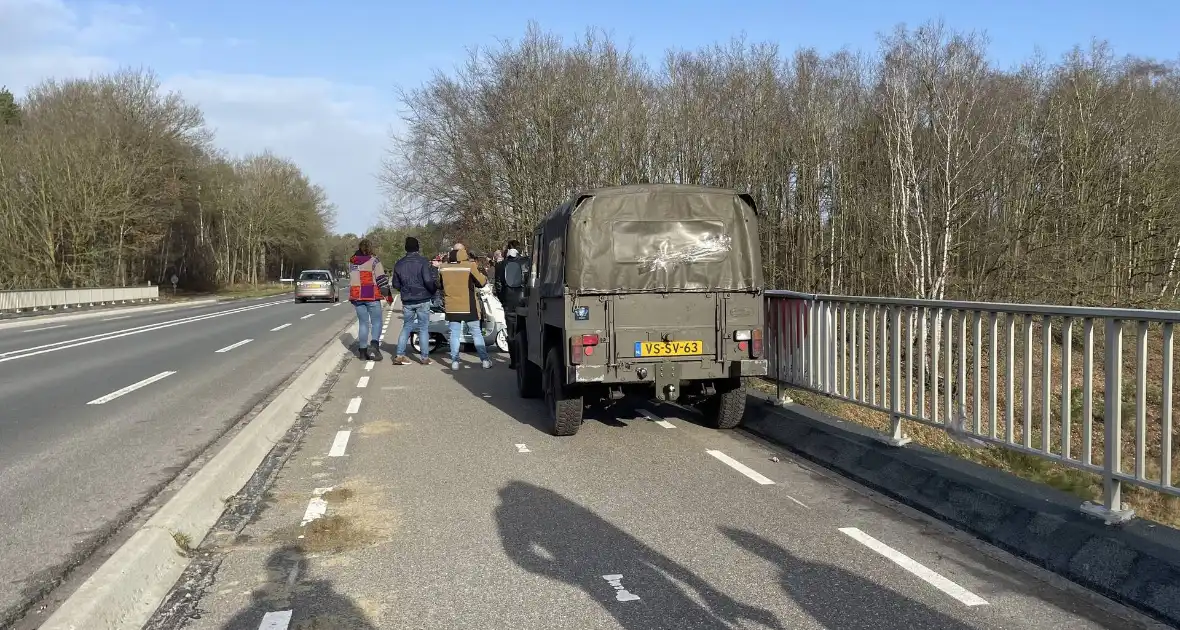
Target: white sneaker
point(487, 364)
point(454, 365)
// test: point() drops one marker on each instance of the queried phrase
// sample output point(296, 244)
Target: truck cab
point(645, 290)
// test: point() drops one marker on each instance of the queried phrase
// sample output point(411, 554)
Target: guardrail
point(19, 301)
point(958, 366)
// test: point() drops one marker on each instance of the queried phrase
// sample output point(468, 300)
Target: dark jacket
point(413, 277)
point(510, 297)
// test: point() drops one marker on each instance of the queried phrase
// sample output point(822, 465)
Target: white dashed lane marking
point(368, 365)
point(339, 444)
point(363, 382)
point(658, 420)
point(354, 406)
point(317, 507)
point(742, 468)
point(235, 345)
point(277, 620)
point(130, 388)
point(913, 566)
point(522, 448)
point(308, 315)
point(44, 328)
point(278, 328)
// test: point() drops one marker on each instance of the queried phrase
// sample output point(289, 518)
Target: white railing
point(20, 301)
point(958, 366)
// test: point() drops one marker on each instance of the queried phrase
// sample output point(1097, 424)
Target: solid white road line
point(742, 468)
point(354, 406)
point(339, 444)
point(29, 330)
point(363, 383)
point(278, 620)
point(521, 448)
point(308, 315)
point(130, 388)
point(909, 564)
point(111, 319)
point(658, 420)
point(368, 365)
point(12, 355)
point(236, 345)
point(278, 328)
point(316, 507)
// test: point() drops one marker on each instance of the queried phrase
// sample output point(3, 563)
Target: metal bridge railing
point(19, 301)
point(1017, 376)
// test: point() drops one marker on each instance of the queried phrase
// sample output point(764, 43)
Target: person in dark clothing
point(509, 288)
point(414, 278)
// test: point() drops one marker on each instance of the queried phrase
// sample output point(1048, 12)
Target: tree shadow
point(546, 534)
point(841, 600)
point(315, 604)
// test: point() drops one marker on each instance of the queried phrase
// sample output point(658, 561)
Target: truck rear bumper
point(632, 373)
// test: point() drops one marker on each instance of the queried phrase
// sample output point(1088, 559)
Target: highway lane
point(439, 500)
point(97, 415)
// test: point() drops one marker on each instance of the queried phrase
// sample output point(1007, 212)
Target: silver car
point(316, 284)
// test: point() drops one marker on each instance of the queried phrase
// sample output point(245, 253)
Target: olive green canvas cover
point(655, 237)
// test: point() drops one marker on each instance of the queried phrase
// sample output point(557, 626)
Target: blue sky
point(315, 80)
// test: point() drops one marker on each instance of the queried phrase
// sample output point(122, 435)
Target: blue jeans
point(476, 338)
point(368, 316)
point(415, 318)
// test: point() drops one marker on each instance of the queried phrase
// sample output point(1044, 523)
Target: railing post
point(896, 436)
point(1111, 510)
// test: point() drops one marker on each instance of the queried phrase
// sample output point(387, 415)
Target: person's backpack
point(514, 271)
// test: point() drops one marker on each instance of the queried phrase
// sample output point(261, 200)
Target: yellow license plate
point(669, 348)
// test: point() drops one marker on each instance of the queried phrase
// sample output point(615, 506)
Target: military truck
point(652, 290)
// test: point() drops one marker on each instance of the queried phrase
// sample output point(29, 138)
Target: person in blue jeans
point(460, 279)
point(366, 285)
point(413, 278)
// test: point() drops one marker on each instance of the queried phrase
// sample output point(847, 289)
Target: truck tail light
point(756, 344)
point(582, 346)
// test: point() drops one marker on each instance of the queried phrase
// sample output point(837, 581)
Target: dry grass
point(1027, 429)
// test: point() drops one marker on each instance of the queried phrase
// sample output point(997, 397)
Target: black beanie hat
point(411, 245)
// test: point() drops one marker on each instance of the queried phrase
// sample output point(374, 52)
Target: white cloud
point(337, 133)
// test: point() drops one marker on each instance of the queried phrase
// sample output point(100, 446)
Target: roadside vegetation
point(111, 181)
point(919, 169)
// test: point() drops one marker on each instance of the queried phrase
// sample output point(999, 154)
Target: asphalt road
point(97, 414)
point(437, 500)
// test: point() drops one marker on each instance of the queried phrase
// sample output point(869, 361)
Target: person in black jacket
point(415, 279)
point(510, 274)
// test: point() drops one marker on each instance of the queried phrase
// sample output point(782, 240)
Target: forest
point(111, 181)
point(920, 169)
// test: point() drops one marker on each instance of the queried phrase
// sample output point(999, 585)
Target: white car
point(494, 326)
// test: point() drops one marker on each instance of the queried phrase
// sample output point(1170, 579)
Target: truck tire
point(528, 375)
point(726, 408)
point(565, 409)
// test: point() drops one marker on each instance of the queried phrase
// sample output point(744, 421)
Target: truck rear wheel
point(565, 409)
point(528, 376)
point(726, 408)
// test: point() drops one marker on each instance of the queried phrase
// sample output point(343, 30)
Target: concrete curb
point(125, 591)
point(37, 320)
point(1136, 564)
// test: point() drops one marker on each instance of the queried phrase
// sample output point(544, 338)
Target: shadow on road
point(841, 600)
point(315, 604)
point(547, 534)
point(497, 387)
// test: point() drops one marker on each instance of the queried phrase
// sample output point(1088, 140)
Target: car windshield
point(318, 276)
